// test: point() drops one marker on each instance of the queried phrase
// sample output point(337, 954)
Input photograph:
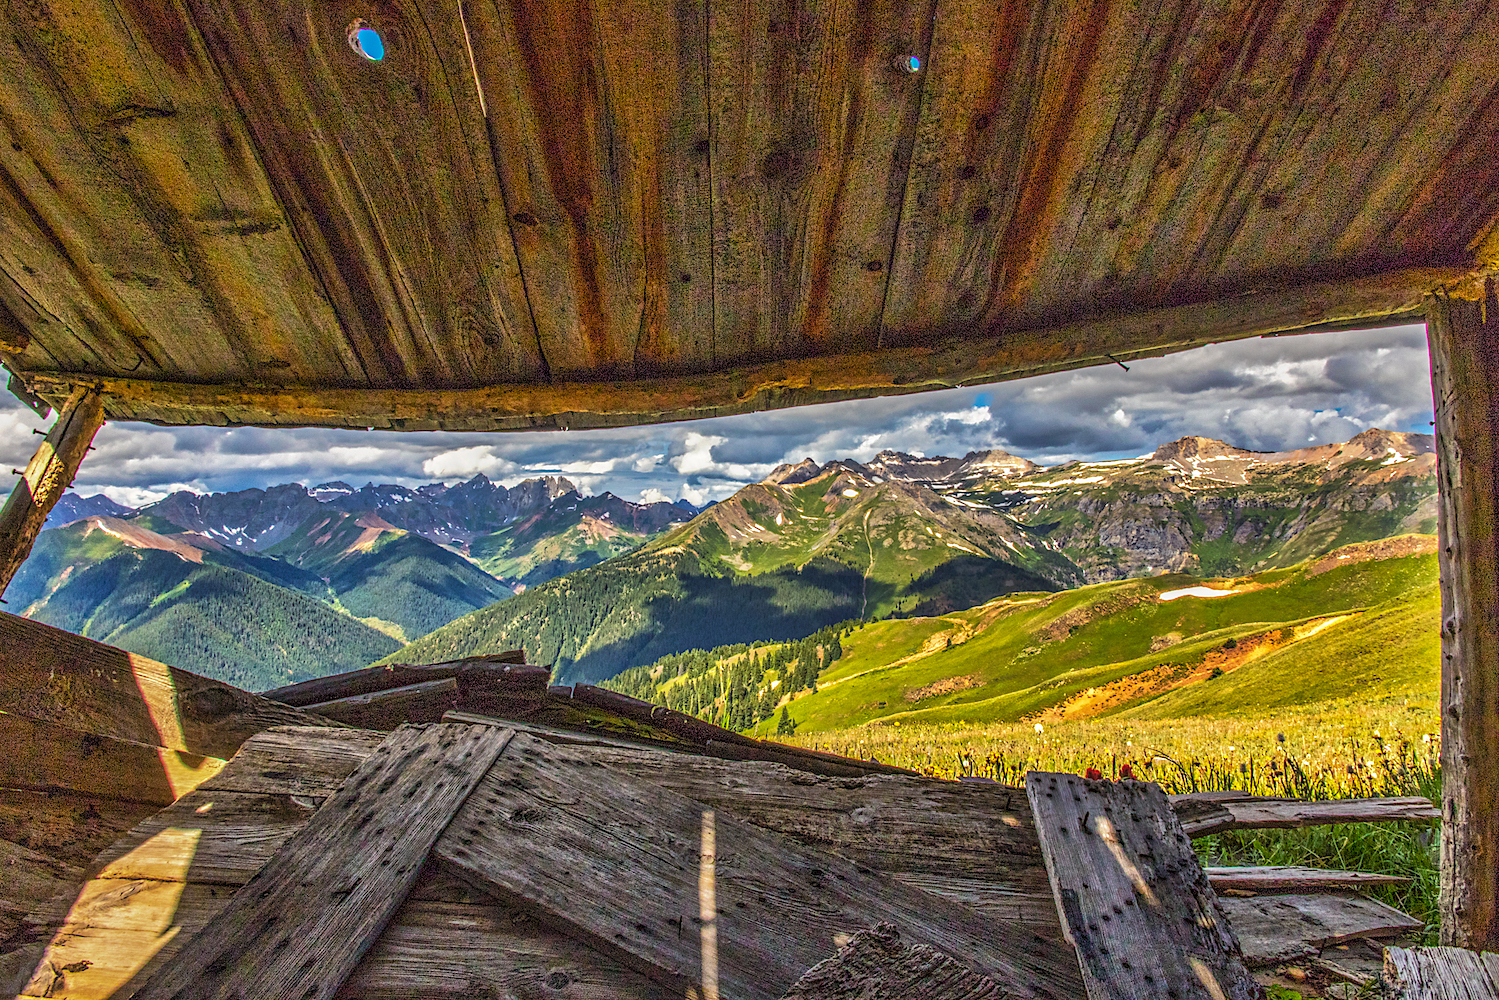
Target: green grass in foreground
point(1345, 748)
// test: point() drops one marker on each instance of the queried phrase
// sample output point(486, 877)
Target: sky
point(1267, 394)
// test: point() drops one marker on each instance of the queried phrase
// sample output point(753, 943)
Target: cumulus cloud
point(652, 494)
point(465, 463)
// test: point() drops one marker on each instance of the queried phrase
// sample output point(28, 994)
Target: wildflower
point(1039, 729)
point(1126, 771)
point(1425, 737)
point(1093, 774)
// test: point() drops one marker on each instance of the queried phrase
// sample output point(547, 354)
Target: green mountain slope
point(394, 580)
point(215, 614)
point(572, 533)
point(1362, 618)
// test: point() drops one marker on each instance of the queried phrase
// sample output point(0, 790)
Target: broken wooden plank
point(874, 964)
point(1441, 974)
point(1281, 928)
point(1280, 877)
point(302, 925)
point(44, 756)
point(56, 676)
point(1132, 897)
point(975, 844)
point(47, 475)
point(424, 702)
point(393, 675)
point(1201, 818)
point(694, 897)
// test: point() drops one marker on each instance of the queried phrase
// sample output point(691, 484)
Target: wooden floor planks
point(696, 898)
point(303, 923)
point(1441, 974)
point(1132, 896)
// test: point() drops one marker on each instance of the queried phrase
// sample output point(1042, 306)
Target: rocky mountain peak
point(1187, 448)
point(791, 475)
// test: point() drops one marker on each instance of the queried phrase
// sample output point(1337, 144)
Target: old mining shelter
point(564, 214)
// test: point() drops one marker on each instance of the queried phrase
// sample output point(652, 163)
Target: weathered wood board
point(972, 843)
point(1201, 817)
point(874, 964)
point(1441, 974)
point(422, 702)
point(1464, 337)
point(303, 923)
point(1132, 896)
point(59, 677)
point(394, 675)
point(1290, 926)
point(44, 756)
point(46, 476)
point(695, 897)
point(1271, 878)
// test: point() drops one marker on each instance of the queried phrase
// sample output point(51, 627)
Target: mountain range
point(816, 544)
point(265, 587)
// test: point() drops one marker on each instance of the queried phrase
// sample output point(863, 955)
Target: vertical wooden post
point(49, 473)
point(1464, 339)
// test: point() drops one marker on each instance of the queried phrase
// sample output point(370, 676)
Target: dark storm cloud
point(1269, 394)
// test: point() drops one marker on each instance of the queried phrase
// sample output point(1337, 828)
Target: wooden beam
point(1132, 896)
point(963, 359)
point(56, 676)
point(1201, 817)
point(303, 923)
point(695, 898)
point(1285, 928)
point(1464, 335)
point(424, 702)
point(48, 474)
point(1272, 878)
point(394, 675)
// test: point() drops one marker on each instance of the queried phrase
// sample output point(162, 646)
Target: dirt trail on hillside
point(1384, 548)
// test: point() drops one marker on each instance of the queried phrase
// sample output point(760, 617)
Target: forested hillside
point(216, 614)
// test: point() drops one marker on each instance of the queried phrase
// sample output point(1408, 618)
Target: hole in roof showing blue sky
point(366, 41)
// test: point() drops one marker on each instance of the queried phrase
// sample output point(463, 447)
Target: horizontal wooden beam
point(994, 356)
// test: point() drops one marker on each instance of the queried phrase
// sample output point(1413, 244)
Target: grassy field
point(1307, 684)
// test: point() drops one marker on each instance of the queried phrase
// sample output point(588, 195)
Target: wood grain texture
point(598, 121)
point(1132, 896)
point(874, 963)
point(295, 760)
point(1441, 974)
point(59, 677)
point(422, 702)
point(1291, 926)
point(1464, 337)
point(975, 844)
point(936, 364)
point(692, 896)
point(43, 756)
point(303, 923)
point(1201, 818)
point(455, 951)
point(1266, 878)
point(49, 473)
point(385, 172)
point(383, 678)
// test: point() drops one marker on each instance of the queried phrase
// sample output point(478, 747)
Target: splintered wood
point(695, 897)
point(303, 923)
point(874, 965)
point(1441, 974)
point(1132, 897)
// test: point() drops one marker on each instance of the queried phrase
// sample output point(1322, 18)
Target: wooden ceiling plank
point(814, 121)
point(1373, 110)
point(597, 116)
point(385, 170)
point(891, 371)
point(1006, 84)
point(648, 876)
point(305, 921)
point(153, 189)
